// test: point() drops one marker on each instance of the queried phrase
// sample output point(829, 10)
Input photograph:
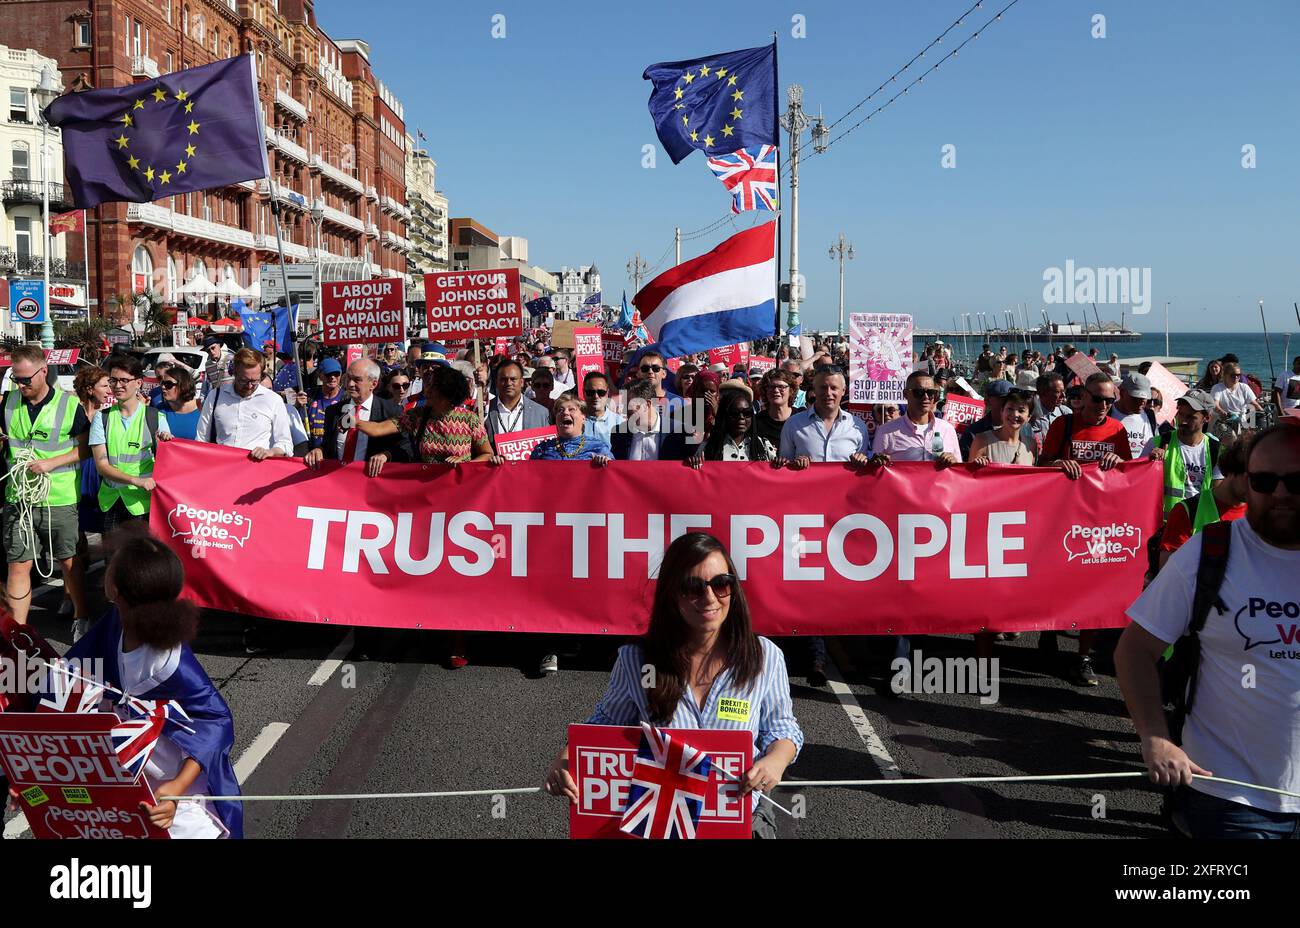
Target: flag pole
point(776, 83)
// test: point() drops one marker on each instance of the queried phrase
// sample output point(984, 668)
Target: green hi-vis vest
point(1176, 474)
point(48, 437)
point(131, 450)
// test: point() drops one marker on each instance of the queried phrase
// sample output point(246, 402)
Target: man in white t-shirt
point(1245, 721)
point(1286, 392)
point(1134, 413)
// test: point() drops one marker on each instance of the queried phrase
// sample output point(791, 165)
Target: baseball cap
point(1136, 385)
point(330, 366)
point(998, 388)
point(1199, 400)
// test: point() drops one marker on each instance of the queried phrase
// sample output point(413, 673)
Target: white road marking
point(256, 752)
point(333, 662)
point(861, 724)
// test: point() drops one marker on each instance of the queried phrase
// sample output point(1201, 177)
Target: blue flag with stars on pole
point(191, 130)
point(717, 104)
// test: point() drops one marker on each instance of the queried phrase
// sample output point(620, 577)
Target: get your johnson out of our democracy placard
point(473, 304)
point(362, 312)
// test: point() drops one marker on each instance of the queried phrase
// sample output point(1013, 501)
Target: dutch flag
point(721, 298)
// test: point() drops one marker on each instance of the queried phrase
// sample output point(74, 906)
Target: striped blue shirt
point(765, 703)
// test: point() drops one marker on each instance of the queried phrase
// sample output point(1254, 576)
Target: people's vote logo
point(1266, 621)
point(1103, 544)
point(95, 823)
point(209, 528)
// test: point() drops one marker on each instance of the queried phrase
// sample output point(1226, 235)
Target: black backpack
point(1180, 671)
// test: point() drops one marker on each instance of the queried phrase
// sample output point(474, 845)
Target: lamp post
point(317, 217)
point(45, 93)
point(842, 249)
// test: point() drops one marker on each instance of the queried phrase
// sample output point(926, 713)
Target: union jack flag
point(636, 332)
point(134, 739)
point(70, 691)
point(750, 175)
point(669, 783)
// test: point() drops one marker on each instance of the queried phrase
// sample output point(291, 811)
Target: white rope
point(785, 784)
point(31, 490)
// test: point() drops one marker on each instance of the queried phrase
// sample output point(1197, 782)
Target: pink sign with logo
point(517, 446)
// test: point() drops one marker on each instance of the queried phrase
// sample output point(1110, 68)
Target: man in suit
point(511, 411)
point(652, 432)
point(342, 441)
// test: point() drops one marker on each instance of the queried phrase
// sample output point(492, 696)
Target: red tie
point(350, 446)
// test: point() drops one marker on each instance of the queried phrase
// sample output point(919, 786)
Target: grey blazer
point(535, 417)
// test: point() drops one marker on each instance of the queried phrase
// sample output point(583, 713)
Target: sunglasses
point(596, 393)
point(1098, 398)
point(399, 384)
point(650, 368)
point(921, 394)
point(26, 381)
point(721, 585)
point(741, 412)
point(1266, 483)
point(168, 384)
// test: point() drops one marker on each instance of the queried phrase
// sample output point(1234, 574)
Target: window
point(83, 33)
point(141, 269)
point(126, 35)
point(22, 162)
point(185, 20)
point(216, 37)
point(170, 63)
point(18, 104)
point(136, 48)
point(171, 276)
point(167, 13)
point(23, 237)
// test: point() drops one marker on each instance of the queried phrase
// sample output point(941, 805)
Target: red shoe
point(458, 661)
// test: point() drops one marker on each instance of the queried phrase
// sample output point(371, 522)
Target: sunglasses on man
point(1266, 483)
point(651, 368)
point(27, 381)
point(1101, 400)
point(922, 394)
point(595, 394)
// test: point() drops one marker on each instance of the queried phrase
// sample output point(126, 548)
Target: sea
point(1250, 347)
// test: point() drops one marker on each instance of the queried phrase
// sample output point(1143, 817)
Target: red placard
point(612, 345)
point(961, 411)
point(362, 311)
point(588, 354)
point(673, 364)
point(730, 355)
point(354, 353)
point(517, 446)
point(939, 552)
point(52, 356)
point(501, 345)
point(762, 364)
point(600, 762)
point(69, 782)
point(473, 304)
point(1082, 365)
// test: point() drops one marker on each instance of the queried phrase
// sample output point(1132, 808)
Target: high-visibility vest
point(131, 450)
point(1176, 474)
point(48, 437)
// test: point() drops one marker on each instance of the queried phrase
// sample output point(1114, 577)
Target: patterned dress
point(446, 439)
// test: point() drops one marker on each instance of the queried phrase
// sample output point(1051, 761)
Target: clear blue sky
point(1117, 151)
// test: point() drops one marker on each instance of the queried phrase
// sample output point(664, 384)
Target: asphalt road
point(308, 721)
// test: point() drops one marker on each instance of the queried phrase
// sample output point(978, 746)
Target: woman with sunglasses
point(702, 649)
point(1232, 398)
point(180, 402)
point(734, 438)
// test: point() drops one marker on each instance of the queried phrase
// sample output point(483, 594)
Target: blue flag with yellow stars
point(717, 104)
point(190, 130)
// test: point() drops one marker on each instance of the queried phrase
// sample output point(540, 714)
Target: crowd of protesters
point(90, 456)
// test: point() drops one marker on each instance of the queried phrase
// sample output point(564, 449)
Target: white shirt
point(362, 413)
point(1193, 466)
point(1139, 430)
point(1290, 390)
point(1236, 400)
point(1242, 733)
point(257, 421)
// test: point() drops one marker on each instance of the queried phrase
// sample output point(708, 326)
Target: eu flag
point(191, 130)
point(270, 325)
point(717, 104)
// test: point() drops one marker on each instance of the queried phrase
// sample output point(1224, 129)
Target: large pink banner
point(564, 546)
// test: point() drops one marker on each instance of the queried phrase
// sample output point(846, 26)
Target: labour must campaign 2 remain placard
point(362, 312)
point(473, 304)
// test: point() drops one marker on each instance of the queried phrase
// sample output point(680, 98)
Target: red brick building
point(339, 174)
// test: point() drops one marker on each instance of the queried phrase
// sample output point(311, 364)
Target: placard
point(517, 446)
point(880, 356)
point(730, 355)
point(1170, 387)
point(613, 346)
point(68, 779)
point(600, 762)
point(473, 304)
point(1082, 365)
point(762, 364)
point(588, 354)
point(562, 332)
point(364, 311)
point(960, 412)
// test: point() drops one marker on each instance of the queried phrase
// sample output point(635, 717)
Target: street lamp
point(841, 249)
point(317, 217)
point(45, 93)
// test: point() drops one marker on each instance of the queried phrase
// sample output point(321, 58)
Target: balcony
point(339, 177)
point(340, 218)
point(290, 105)
point(389, 205)
point(372, 194)
point(29, 192)
point(34, 266)
point(396, 242)
point(151, 214)
point(287, 145)
point(291, 249)
point(283, 194)
point(143, 65)
point(372, 230)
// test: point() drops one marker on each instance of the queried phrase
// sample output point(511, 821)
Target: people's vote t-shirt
point(1138, 426)
point(1243, 732)
point(1088, 443)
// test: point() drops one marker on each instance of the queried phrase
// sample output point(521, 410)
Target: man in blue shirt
point(329, 393)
